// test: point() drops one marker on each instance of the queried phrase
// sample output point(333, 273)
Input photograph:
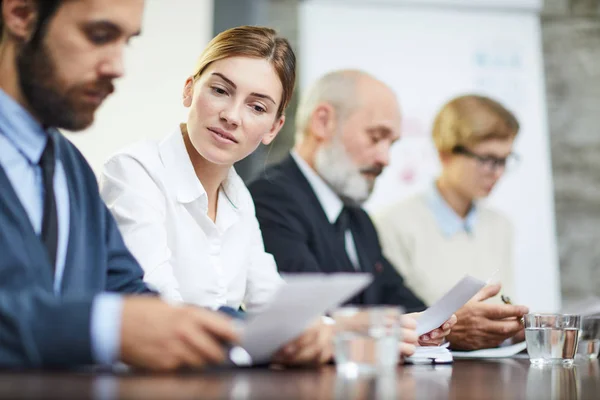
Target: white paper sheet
point(499, 352)
point(443, 309)
point(294, 307)
point(431, 355)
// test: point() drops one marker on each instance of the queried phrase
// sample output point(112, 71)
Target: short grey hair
point(336, 88)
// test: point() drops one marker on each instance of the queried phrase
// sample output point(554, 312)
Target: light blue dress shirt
point(22, 141)
point(449, 222)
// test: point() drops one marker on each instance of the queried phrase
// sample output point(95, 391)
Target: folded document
point(442, 310)
point(431, 355)
point(296, 305)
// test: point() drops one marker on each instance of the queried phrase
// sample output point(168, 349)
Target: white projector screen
point(429, 54)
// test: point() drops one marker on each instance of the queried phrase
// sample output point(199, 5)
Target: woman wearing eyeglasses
point(436, 237)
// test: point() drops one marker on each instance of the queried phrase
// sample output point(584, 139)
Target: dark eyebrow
point(226, 79)
point(110, 26)
point(263, 96)
point(230, 82)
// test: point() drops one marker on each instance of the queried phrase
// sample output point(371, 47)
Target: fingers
point(312, 353)
point(450, 323)
point(188, 355)
point(407, 349)
point(487, 291)
point(326, 355)
point(216, 324)
point(504, 329)
point(203, 344)
point(434, 334)
point(431, 342)
point(207, 333)
point(519, 337)
point(502, 311)
point(409, 336)
point(408, 321)
point(308, 337)
point(305, 355)
point(313, 347)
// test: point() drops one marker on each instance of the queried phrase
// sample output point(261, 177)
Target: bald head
point(344, 91)
point(346, 123)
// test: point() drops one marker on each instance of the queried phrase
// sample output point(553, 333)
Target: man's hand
point(313, 347)
point(437, 336)
point(158, 336)
point(481, 325)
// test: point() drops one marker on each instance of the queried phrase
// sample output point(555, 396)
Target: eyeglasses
point(490, 163)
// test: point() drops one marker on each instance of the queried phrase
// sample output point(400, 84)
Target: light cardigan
point(432, 260)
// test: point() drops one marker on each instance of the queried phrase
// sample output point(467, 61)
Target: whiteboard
point(429, 55)
point(505, 5)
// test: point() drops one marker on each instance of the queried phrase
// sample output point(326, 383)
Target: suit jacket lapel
point(12, 207)
point(315, 209)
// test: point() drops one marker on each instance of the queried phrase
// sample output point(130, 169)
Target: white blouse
point(161, 209)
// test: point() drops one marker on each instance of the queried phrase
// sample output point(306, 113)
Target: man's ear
point(188, 92)
point(277, 125)
point(18, 18)
point(323, 121)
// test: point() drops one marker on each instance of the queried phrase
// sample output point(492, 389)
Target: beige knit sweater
point(431, 262)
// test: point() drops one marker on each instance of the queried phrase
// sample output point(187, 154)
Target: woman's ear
point(277, 125)
point(323, 121)
point(188, 92)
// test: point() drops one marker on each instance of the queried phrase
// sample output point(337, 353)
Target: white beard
point(336, 168)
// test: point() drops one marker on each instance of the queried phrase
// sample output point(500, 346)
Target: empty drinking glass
point(552, 338)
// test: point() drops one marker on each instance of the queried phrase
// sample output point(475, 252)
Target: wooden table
point(501, 379)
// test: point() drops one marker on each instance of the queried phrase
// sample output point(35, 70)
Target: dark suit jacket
point(297, 232)
point(37, 327)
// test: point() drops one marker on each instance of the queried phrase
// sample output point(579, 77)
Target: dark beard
point(52, 103)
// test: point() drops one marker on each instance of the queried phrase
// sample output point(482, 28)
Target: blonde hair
point(255, 42)
point(471, 119)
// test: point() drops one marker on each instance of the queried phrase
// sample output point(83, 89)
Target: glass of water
point(367, 339)
point(552, 338)
point(589, 340)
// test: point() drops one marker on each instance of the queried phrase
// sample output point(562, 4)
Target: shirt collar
point(448, 221)
point(330, 201)
point(23, 131)
point(189, 188)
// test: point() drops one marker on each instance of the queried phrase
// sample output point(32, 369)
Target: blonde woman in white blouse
point(183, 211)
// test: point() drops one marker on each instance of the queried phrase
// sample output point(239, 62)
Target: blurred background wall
point(147, 105)
point(571, 43)
point(147, 101)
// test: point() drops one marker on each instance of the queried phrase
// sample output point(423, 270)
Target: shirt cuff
point(106, 328)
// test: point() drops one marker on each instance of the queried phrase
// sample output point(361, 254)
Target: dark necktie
point(50, 217)
point(343, 224)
